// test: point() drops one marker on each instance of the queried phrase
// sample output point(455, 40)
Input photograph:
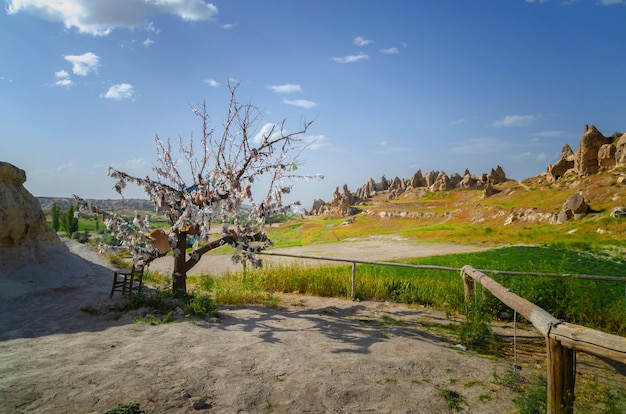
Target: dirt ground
point(62, 350)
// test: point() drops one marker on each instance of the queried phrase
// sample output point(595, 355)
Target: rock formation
point(564, 164)
point(25, 237)
point(342, 202)
point(586, 157)
point(574, 208)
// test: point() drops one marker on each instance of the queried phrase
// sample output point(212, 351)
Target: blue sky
point(393, 86)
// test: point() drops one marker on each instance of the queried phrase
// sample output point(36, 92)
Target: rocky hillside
point(592, 179)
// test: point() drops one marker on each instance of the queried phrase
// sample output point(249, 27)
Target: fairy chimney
point(586, 158)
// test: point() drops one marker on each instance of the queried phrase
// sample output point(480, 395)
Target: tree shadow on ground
point(352, 329)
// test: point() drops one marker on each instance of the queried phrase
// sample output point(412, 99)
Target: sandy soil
point(63, 351)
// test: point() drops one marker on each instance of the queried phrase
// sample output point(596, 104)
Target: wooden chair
point(128, 281)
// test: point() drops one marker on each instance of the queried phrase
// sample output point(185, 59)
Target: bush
point(81, 237)
point(201, 305)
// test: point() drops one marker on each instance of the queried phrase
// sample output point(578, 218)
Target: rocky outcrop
point(564, 164)
point(25, 237)
point(574, 208)
point(431, 181)
point(606, 156)
point(586, 157)
point(22, 222)
point(620, 149)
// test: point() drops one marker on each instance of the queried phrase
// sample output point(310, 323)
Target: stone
point(586, 157)
point(22, 221)
point(497, 176)
point(620, 150)
point(418, 180)
point(442, 183)
point(606, 156)
point(574, 207)
point(563, 165)
point(197, 403)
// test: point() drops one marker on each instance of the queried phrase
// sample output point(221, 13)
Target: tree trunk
point(179, 283)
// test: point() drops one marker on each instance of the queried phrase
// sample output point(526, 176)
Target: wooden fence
point(562, 339)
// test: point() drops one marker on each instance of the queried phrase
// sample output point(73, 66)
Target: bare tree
point(216, 182)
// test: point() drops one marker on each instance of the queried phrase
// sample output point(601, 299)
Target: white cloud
point(390, 51)
point(148, 42)
point(287, 88)
point(537, 1)
point(83, 64)
point(515, 120)
point(351, 58)
point(316, 142)
point(266, 131)
point(100, 17)
point(302, 103)
point(361, 41)
point(480, 146)
point(64, 82)
point(211, 82)
point(119, 92)
point(228, 26)
point(61, 74)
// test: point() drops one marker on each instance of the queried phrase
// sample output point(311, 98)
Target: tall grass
point(597, 304)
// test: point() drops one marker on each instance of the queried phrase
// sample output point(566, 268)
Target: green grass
point(568, 299)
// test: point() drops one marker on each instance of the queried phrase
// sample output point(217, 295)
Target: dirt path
point(377, 248)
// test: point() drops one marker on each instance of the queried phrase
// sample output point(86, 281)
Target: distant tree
point(222, 173)
point(55, 212)
point(616, 135)
point(69, 219)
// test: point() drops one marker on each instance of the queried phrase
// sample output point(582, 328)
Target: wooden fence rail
point(562, 339)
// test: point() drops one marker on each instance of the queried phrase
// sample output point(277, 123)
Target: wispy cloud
point(302, 103)
point(286, 88)
point(530, 157)
point(98, 19)
point(68, 167)
point(119, 91)
point(515, 120)
point(480, 146)
point(148, 42)
point(134, 164)
point(390, 51)
point(351, 58)
point(549, 134)
point(83, 64)
point(211, 82)
point(385, 148)
point(316, 142)
point(361, 41)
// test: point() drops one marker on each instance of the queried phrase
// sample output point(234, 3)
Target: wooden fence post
point(353, 280)
point(469, 286)
point(561, 377)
